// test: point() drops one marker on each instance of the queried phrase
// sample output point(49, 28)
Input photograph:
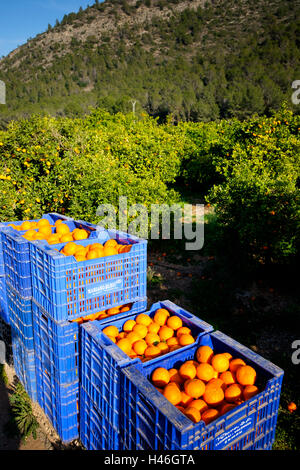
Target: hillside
point(197, 59)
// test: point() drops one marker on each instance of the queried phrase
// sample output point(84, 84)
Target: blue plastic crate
point(96, 432)
point(3, 301)
point(102, 360)
point(24, 365)
point(16, 252)
point(20, 315)
point(68, 289)
point(60, 404)
point(149, 421)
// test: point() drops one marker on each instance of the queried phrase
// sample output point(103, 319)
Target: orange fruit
point(213, 394)
point(66, 238)
point(172, 393)
point(165, 333)
point(125, 345)
point(152, 352)
point(58, 222)
point(185, 340)
point(78, 234)
point(233, 393)
point(92, 254)
point(26, 225)
point(226, 407)
point(43, 223)
point(153, 327)
point(164, 348)
point(174, 322)
point(161, 316)
point(205, 372)
point(160, 377)
point(109, 251)
point(228, 377)
point(180, 408)
point(292, 407)
point(187, 371)
point(96, 246)
point(110, 243)
point(140, 330)
point(250, 391)
point(80, 257)
point(113, 311)
point(40, 236)
point(53, 239)
point(124, 309)
point(112, 338)
point(111, 331)
point(30, 235)
point(220, 363)
point(174, 347)
point(172, 341)
point(62, 229)
point(143, 319)
point(194, 388)
point(218, 382)
point(132, 337)
point(128, 325)
point(193, 414)
point(121, 335)
point(175, 377)
point(204, 354)
point(210, 415)
point(185, 399)
point(228, 355)
point(246, 375)
point(235, 364)
point(140, 347)
point(152, 338)
point(70, 249)
point(199, 405)
point(183, 330)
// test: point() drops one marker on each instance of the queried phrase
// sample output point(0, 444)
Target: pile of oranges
point(207, 387)
point(146, 338)
point(42, 230)
point(104, 314)
point(95, 250)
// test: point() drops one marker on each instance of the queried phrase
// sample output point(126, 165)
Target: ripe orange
point(161, 316)
point(92, 254)
point(160, 377)
point(30, 235)
point(185, 340)
point(164, 348)
point(140, 347)
point(125, 345)
point(174, 322)
point(205, 372)
point(43, 223)
point(140, 330)
point(66, 238)
point(218, 382)
point(165, 333)
point(128, 325)
point(109, 251)
point(292, 407)
point(187, 371)
point(246, 375)
point(152, 338)
point(235, 364)
point(70, 249)
point(132, 337)
point(209, 415)
point(53, 239)
point(193, 414)
point(233, 393)
point(220, 363)
point(121, 335)
point(152, 352)
point(172, 393)
point(79, 257)
point(172, 341)
point(113, 311)
point(250, 391)
point(111, 331)
point(228, 377)
point(143, 319)
point(40, 236)
point(26, 225)
point(175, 377)
point(110, 243)
point(195, 388)
point(62, 229)
point(58, 222)
point(125, 309)
point(213, 394)
point(204, 354)
point(185, 399)
point(112, 338)
point(226, 407)
point(183, 330)
point(199, 405)
point(78, 234)
point(228, 355)
point(153, 327)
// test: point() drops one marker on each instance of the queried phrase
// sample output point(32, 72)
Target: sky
point(23, 19)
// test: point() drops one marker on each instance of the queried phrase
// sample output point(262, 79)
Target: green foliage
point(23, 418)
point(3, 375)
